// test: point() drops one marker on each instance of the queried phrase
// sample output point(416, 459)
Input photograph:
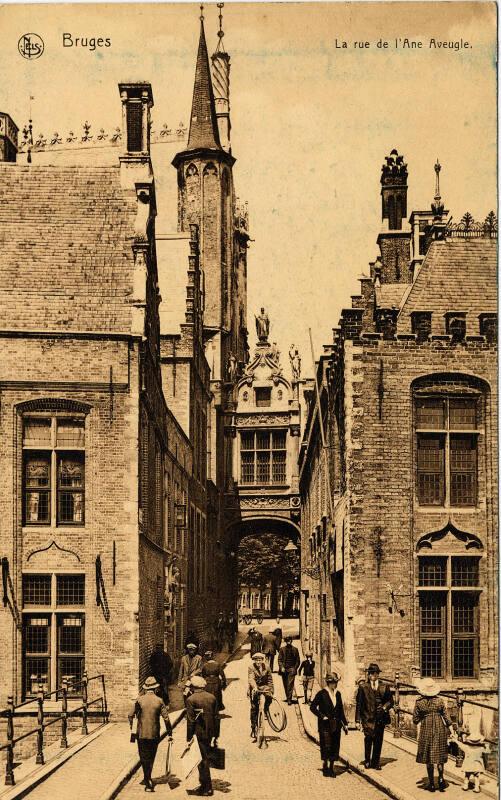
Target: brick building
point(82, 506)
point(399, 509)
point(116, 330)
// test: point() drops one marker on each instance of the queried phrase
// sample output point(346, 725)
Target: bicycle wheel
point(261, 739)
point(276, 716)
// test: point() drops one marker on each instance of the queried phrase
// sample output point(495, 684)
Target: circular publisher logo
point(30, 45)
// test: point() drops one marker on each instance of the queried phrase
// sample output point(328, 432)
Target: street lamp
point(290, 550)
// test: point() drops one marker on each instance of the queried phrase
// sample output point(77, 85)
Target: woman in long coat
point(327, 705)
point(436, 724)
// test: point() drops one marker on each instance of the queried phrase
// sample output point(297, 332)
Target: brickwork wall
point(380, 489)
point(111, 431)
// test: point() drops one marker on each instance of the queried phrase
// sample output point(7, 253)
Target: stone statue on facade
point(232, 368)
point(262, 326)
point(275, 353)
point(295, 360)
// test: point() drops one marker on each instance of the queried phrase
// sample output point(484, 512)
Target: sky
point(311, 121)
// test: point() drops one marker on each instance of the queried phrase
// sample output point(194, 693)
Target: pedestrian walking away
point(201, 714)
point(374, 700)
point(256, 641)
point(232, 630)
point(148, 708)
point(277, 633)
point(288, 665)
point(260, 683)
point(220, 632)
point(161, 669)
point(307, 670)
point(270, 648)
point(191, 665)
point(327, 705)
point(215, 679)
point(431, 715)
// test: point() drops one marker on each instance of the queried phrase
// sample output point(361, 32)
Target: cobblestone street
point(291, 763)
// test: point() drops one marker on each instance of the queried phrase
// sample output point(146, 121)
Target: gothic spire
point(204, 131)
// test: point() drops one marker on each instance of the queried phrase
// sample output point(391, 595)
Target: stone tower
point(394, 239)
point(206, 197)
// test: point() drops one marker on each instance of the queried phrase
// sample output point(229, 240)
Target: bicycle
point(261, 738)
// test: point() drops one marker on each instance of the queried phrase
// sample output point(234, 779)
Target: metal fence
point(44, 722)
point(402, 725)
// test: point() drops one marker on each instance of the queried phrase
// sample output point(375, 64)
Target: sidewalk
point(96, 767)
point(401, 777)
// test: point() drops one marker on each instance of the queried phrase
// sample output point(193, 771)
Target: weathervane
point(220, 32)
point(201, 13)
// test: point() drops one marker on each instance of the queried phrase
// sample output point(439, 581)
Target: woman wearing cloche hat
point(327, 705)
point(431, 712)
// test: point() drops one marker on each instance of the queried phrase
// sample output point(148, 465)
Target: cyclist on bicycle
point(260, 684)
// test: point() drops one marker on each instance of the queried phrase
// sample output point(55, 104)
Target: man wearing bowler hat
point(288, 665)
point(148, 708)
point(374, 701)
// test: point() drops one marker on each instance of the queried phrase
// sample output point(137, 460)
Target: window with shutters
point(449, 593)
point(53, 470)
point(134, 127)
point(446, 450)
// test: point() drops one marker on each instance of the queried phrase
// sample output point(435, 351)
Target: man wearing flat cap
point(374, 700)
point(201, 713)
point(148, 708)
point(191, 664)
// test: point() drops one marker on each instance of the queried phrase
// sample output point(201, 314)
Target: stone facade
point(399, 521)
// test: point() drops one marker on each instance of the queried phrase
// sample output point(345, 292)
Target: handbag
point(217, 757)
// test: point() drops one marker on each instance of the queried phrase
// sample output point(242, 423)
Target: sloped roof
point(456, 275)
point(204, 131)
point(390, 295)
point(66, 260)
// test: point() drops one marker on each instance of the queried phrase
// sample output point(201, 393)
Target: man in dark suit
point(374, 701)
point(201, 712)
point(256, 641)
point(148, 708)
point(288, 664)
point(161, 669)
point(270, 648)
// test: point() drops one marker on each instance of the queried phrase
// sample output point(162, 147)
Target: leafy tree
point(261, 559)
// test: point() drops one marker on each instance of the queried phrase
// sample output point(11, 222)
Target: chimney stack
point(8, 138)
point(137, 99)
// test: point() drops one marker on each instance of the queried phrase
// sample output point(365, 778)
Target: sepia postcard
point(248, 400)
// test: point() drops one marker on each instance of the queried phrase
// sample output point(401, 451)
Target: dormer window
point(263, 397)
point(421, 325)
point(455, 325)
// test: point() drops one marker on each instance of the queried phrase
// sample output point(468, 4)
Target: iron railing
point(43, 722)
point(402, 726)
point(468, 228)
